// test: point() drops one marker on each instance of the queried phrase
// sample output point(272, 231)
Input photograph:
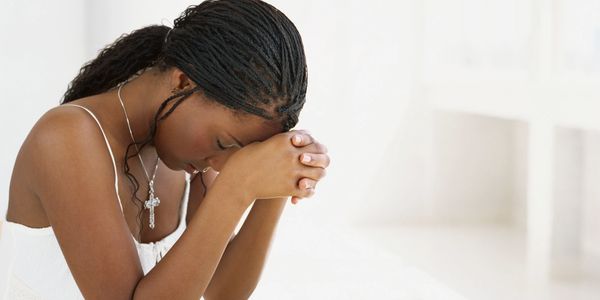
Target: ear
point(180, 81)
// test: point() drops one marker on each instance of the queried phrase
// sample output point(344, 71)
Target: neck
point(141, 98)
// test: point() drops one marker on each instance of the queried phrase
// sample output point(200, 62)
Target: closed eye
point(220, 146)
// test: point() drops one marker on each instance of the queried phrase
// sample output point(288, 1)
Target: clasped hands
point(314, 155)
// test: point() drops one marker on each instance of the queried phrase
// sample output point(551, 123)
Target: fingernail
point(307, 186)
point(306, 158)
point(297, 138)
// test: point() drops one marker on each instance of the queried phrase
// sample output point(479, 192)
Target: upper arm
point(75, 181)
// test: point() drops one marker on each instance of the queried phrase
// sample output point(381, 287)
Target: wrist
point(227, 185)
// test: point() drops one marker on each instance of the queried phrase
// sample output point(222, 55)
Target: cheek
point(171, 143)
point(164, 152)
point(179, 143)
point(198, 146)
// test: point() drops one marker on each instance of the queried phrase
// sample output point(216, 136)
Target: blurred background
point(464, 139)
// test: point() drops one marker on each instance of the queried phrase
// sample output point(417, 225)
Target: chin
point(167, 163)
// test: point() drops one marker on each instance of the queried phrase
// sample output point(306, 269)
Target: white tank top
point(32, 265)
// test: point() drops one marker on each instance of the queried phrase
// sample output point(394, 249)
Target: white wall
point(41, 51)
point(474, 168)
point(590, 222)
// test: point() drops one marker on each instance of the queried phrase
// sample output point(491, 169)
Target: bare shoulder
point(75, 182)
point(60, 131)
point(63, 120)
point(58, 125)
point(24, 205)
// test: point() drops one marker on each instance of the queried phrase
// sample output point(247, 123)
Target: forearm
point(186, 270)
point(239, 270)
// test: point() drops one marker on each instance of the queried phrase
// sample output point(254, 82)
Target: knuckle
point(310, 193)
point(300, 192)
point(307, 183)
point(321, 148)
point(295, 160)
point(291, 154)
point(327, 161)
point(286, 136)
point(322, 173)
point(297, 173)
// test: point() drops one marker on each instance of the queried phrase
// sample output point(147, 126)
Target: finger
point(307, 183)
point(304, 131)
point(305, 188)
point(315, 160)
point(306, 194)
point(301, 139)
point(314, 173)
point(315, 147)
point(295, 200)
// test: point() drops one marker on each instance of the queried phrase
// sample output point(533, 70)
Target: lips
point(190, 168)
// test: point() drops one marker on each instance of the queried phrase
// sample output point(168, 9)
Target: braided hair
point(244, 54)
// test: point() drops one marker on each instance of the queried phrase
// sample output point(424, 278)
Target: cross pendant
point(150, 204)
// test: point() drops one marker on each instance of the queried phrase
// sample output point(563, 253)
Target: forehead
point(252, 129)
point(245, 127)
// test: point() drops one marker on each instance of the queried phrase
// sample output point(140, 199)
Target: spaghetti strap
point(109, 151)
point(184, 205)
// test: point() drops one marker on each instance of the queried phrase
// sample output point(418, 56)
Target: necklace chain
point(152, 201)
point(133, 139)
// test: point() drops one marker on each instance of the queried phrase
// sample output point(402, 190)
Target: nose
point(217, 162)
point(215, 165)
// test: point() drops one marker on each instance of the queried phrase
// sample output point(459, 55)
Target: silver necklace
point(152, 201)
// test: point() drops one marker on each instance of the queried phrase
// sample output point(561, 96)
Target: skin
point(221, 269)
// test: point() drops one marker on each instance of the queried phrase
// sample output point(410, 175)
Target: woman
point(214, 97)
